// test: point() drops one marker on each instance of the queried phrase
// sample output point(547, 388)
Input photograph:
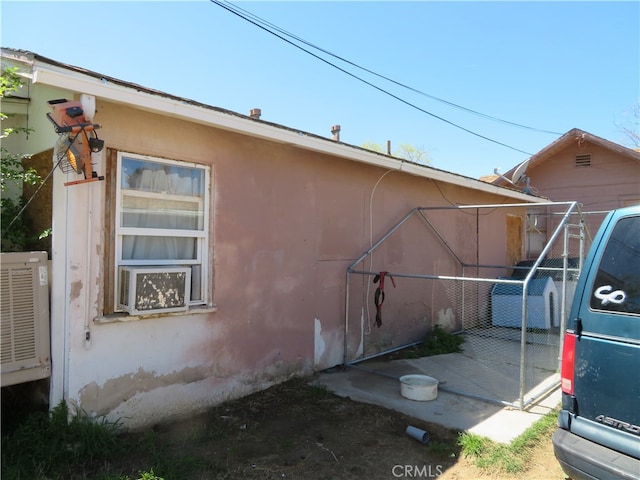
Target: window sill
point(120, 317)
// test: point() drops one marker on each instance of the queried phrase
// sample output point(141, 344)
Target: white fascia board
point(62, 78)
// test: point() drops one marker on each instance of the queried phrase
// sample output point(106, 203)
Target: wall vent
point(583, 160)
point(24, 313)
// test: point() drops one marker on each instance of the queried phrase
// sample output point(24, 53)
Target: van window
point(617, 284)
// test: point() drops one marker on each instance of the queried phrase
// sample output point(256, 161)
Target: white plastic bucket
point(419, 387)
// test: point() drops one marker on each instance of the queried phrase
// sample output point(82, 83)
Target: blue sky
point(550, 66)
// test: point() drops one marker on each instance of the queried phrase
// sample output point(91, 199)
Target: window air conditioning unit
point(145, 291)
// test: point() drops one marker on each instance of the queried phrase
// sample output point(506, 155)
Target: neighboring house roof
point(572, 136)
point(56, 74)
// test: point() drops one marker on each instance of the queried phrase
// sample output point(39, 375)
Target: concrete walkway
point(377, 383)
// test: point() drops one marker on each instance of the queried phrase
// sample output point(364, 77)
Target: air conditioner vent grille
point(125, 276)
point(18, 316)
point(24, 312)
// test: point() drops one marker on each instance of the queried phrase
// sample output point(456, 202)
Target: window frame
point(201, 235)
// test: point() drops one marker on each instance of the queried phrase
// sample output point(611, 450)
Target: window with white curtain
point(162, 217)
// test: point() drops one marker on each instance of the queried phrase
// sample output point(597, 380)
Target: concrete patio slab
point(377, 383)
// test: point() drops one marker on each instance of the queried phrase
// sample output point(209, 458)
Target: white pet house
point(542, 304)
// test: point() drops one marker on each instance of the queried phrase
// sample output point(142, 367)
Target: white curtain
point(167, 212)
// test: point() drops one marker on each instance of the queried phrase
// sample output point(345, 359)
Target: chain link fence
point(501, 276)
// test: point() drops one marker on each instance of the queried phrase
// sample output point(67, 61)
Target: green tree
point(15, 224)
point(405, 151)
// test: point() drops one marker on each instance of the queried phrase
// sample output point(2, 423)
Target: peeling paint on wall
point(318, 345)
point(329, 345)
point(76, 290)
point(144, 398)
point(446, 319)
point(360, 350)
point(104, 398)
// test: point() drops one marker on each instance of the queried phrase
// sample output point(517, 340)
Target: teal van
point(598, 435)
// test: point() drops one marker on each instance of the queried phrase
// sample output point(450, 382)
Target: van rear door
point(606, 331)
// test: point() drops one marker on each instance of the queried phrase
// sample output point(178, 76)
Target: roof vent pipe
point(388, 147)
point(335, 131)
point(255, 113)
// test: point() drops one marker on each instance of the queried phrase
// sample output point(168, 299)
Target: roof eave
point(69, 79)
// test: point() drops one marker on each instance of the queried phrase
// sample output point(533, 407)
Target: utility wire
point(24, 207)
point(367, 82)
point(246, 13)
point(60, 159)
point(236, 8)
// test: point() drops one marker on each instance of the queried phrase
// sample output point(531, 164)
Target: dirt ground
point(294, 431)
